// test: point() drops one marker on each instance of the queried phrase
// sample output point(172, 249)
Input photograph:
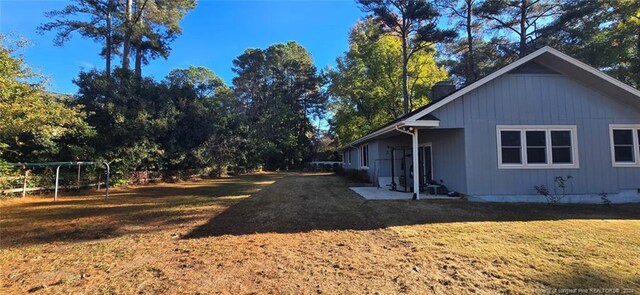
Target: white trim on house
point(364, 164)
point(347, 157)
point(593, 70)
point(421, 123)
point(392, 127)
point(635, 129)
point(477, 84)
point(516, 64)
point(430, 145)
point(575, 158)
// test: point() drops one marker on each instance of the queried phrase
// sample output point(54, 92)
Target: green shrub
point(338, 169)
point(358, 175)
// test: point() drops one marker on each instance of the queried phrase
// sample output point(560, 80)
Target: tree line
point(191, 121)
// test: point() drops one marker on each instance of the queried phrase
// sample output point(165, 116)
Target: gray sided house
point(544, 116)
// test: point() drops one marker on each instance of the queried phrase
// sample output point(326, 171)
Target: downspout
point(416, 171)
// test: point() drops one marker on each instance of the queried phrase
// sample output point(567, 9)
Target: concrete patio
point(375, 193)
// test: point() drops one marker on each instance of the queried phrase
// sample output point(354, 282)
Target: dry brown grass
point(307, 233)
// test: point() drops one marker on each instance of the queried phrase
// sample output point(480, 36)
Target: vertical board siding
point(382, 157)
point(535, 99)
point(448, 151)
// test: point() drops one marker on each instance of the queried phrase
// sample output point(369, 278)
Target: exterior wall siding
point(355, 159)
point(447, 149)
point(540, 99)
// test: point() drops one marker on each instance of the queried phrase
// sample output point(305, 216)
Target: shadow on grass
point(302, 204)
point(293, 204)
point(133, 210)
point(588, 278)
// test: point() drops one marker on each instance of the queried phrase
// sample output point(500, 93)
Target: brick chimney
point(441, 90)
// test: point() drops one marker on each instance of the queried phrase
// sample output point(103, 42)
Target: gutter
point(402, 130)
point(405, 123)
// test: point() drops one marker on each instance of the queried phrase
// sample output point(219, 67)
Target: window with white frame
point(364, 156)
point(625, 145)
point(347, 157)
point(537, 147)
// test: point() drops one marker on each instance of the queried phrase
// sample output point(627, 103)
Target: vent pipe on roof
point(441, 90)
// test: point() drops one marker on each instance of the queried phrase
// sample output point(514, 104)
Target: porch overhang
point(393, 128)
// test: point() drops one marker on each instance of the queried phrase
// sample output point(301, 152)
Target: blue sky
point(213, 35)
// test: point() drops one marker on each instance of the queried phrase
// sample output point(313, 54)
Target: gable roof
point(546, 56)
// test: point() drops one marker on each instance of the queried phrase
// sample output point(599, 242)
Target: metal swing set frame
point(69, 164)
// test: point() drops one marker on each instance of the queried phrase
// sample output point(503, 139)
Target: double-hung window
point(541, 147)
point(347, 157)
point(625, 145)
point(364, 156)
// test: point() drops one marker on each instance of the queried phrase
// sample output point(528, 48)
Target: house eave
point(392, 128)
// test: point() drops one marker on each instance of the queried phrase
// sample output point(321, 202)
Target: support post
point(24, 183)
point(416, 167)
point(106, 195)
point(55, 195)
point(78, 184)
point(393, 170)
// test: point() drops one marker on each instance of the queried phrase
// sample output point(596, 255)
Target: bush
point(357, 175)
point(605, 199)
point(559, 191)
point(338, 169)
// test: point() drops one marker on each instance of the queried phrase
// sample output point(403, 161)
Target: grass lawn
point(308, 233)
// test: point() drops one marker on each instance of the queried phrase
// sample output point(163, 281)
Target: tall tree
point(416, 23)
point(205, 130)
point(144, 26)
point(128, 26)
point(604, 34)
point(32, 119)
point(92, 19)
point(628, 29)
point(489, 55)
point(129, 115)
point(523, 18)
point(154, 24)
point(463, 14)
point(366, 86)
point(279, 88)
point(202, 80)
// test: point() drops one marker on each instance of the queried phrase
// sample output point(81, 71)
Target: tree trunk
point(638, 44)
point(471, 73)
point(405, 75)
point(126, 50)
point(138, 65)
point(523, 28)
point(139, 50)
point(108, 41)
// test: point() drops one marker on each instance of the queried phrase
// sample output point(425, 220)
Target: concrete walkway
point(374, 193)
